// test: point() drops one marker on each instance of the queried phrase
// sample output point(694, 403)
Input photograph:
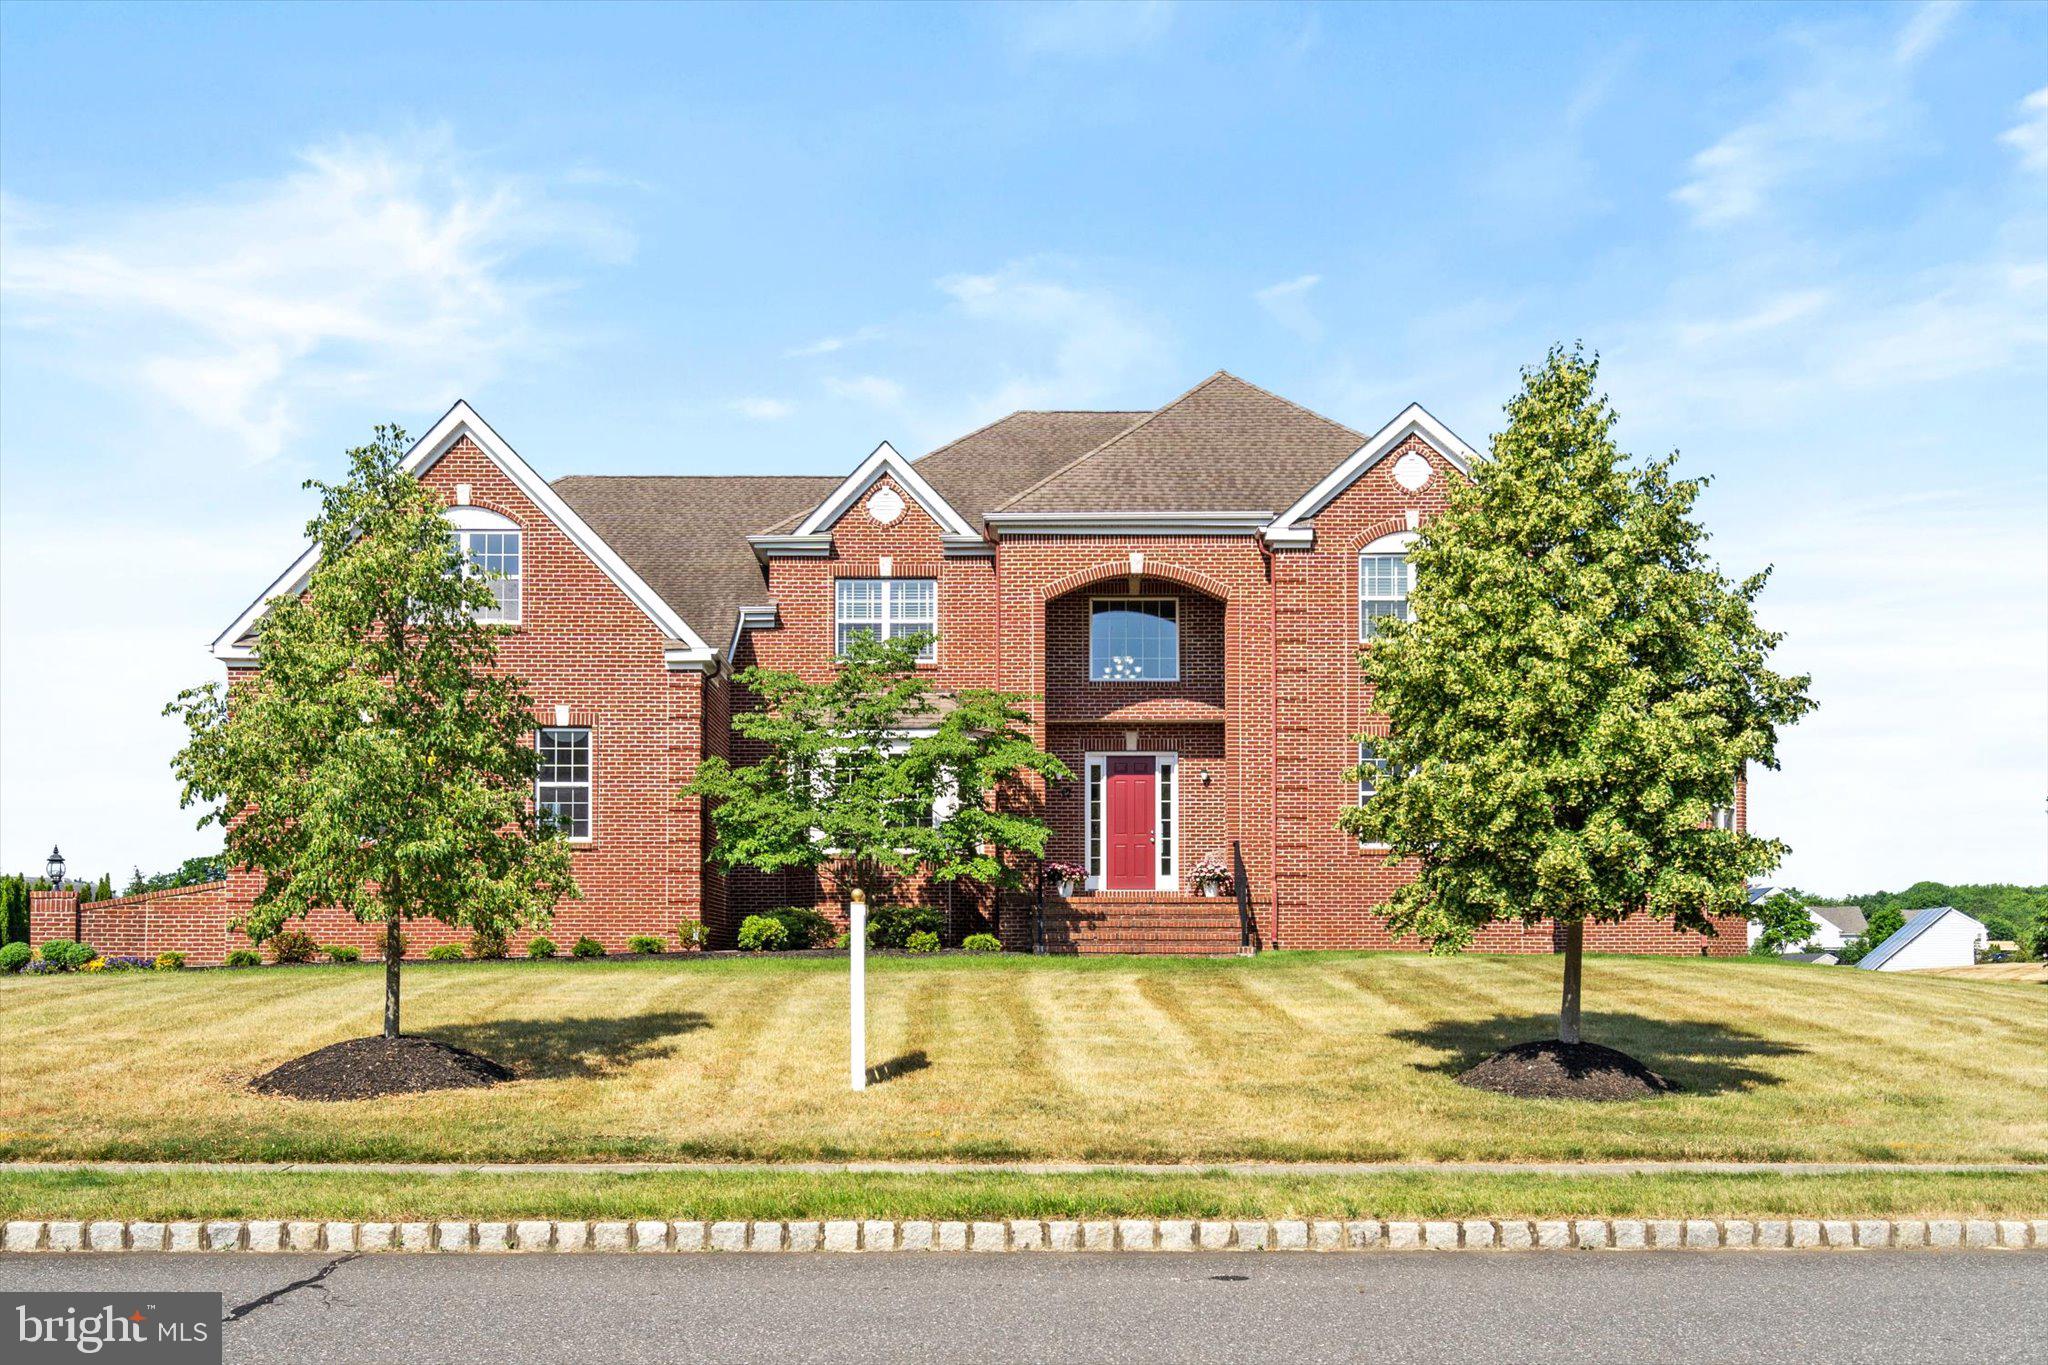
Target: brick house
point(1183, 594)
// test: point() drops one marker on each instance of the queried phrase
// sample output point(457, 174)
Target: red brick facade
point(1262, 723)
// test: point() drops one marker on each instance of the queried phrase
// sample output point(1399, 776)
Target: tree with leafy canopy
point(378, 759)
point(1784, 923)
point(871, 769)
point(1579, 688)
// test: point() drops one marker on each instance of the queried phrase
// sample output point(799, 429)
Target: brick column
point(52, 914)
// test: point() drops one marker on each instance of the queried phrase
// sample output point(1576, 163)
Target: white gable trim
point(1413, 420)
point(684, 648)
point(884, 460)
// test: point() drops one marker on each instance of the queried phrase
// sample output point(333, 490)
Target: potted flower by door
point(1211, 876)
point(1065, 877)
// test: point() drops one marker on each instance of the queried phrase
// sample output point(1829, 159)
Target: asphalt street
point(1382, 1307)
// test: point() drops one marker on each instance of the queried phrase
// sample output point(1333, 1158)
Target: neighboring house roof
point(1914, 927)
point(1224, 445)
point(1812, 959)
point(686, 535)
point(1846, 918)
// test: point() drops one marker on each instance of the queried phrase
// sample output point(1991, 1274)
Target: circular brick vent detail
point(885, 506)
point(1411, 471)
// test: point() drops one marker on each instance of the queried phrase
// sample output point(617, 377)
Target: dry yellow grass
point(1285, 1056)
point(2031, 973)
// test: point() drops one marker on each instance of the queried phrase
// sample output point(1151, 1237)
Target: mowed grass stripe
point(1284, 1057)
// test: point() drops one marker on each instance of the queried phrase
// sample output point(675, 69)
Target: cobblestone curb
point(1122, 1234)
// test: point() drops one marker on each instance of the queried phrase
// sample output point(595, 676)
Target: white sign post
point(857, 951)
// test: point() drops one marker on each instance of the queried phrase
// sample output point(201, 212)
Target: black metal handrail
point(1247, 926)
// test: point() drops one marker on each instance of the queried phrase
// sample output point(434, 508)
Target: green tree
point(1580, 687)
point(13, 909)
point(378, 760)
point(871, 769)
point(103, 890)
point(1785, 924)
point(1879, 925)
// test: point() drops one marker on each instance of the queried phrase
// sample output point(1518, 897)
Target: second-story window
point(1383, 583)
point(1134, 639)
point(489, 547)
point(888, 609)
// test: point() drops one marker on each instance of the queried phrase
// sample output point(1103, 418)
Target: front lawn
point(1286, 1056)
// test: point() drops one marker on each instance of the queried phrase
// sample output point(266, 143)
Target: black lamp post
point(54, 869)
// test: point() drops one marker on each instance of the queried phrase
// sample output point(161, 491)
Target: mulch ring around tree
point(364, 1068)
point(1567, 1071)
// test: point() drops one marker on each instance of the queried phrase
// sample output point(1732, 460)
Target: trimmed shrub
point(647, 943)
point(245, 957)
point(487, 945)
point(921, 942)
point(541, 947)
point(587, 947)
point(293, 946)
point(762, 934)
point(341, 952)
point(981, 943)
point(445, 952)
point(169, 962)
point(890, 926)
point(15, 956)
point(62, 955)
point(806, 927)
point(692, 935)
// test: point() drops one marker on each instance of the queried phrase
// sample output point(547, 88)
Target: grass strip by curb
point(753, 1195)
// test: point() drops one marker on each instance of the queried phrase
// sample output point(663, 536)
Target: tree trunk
point(391, 956)
point(1574, 959)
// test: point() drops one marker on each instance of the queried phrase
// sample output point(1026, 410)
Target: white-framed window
point(1723, 817)
point(1134, 639)
point(1385, 578)
point(1370, 767)
point(490, 547)
point(564, 786)
point(1168, 800)
point(888, 608)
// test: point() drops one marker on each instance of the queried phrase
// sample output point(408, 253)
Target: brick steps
point(1166, 924)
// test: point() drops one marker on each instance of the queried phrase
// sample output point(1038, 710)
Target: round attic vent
point(885, 506)
point(1411, 471)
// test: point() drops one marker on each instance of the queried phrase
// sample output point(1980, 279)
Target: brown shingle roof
point(1225, 445)
point(984, 467)
point(687, 535)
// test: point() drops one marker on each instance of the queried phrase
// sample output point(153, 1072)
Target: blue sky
point(1810, 242)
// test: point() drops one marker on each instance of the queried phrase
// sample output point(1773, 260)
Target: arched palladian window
point(1384, 579)
point(489, 545)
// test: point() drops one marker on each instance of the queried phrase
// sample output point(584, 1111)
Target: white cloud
point(828, 345)
point(373, 271)
point(1088, 29)
point(2029, 137)
point(1063, 345)
point(868, 388)
point(1923, 619)
point(1854, 99)
point(762, 409)
point(1287, 303)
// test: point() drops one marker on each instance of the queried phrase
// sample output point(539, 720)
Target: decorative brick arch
point(1121, 568)
point(481, 505)
point(1386, 526)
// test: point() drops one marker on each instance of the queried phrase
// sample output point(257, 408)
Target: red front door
point(1130, 825)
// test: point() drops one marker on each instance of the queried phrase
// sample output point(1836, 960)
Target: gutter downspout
point(1273, 738)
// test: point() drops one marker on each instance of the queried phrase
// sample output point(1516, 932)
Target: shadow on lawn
point(1705, 1058)
point(557, 1049)
point(898, 1066)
